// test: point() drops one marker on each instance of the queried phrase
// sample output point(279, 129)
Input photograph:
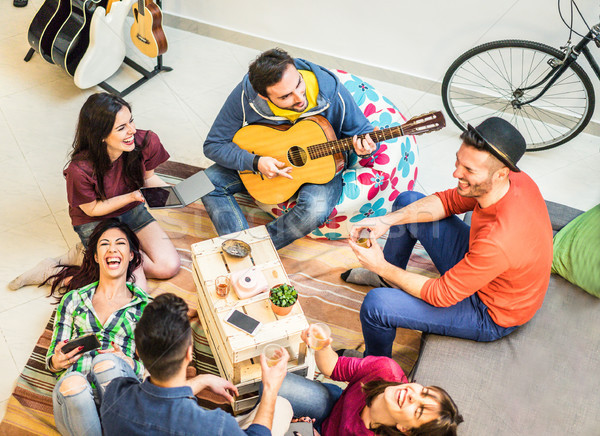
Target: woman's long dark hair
point(96, 121)
point(89, 271)
point(444, 425)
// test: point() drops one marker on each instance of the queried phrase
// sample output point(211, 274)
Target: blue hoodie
point(244, 106)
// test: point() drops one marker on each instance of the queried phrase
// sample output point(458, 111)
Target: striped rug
point(314, 267)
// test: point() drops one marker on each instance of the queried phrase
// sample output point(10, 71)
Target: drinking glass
point(364, 238)
point(318, 334)
point(273, 353)
point(222, 285)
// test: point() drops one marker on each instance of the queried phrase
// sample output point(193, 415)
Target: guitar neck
point(418, 125)
point(341, 145)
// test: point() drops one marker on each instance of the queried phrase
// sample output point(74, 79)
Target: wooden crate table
point(236, 352)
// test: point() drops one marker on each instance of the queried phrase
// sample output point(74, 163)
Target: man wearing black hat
point(494, 273)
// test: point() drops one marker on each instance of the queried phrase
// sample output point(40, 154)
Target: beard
point(298, 107)
point(476, 190)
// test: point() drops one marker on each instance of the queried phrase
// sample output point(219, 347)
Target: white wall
point(419, 38)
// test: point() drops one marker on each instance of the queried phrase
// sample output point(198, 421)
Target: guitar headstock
point(429, 122)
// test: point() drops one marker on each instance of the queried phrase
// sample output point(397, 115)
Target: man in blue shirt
point(279, 91)
point(165, 402)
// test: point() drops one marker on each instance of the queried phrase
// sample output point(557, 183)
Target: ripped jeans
point(76, 403)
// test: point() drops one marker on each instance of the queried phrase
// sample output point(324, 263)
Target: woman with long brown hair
point(101, 299)
point(109, 162)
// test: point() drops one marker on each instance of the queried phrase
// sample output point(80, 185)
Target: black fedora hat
point(503, 140)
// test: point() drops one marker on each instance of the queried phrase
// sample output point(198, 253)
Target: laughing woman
point(101, 299)
point(378, 399)
point(110, 161)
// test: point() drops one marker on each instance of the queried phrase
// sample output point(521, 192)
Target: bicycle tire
point(482, 83)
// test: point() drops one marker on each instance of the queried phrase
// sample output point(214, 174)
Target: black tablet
point(162, 196)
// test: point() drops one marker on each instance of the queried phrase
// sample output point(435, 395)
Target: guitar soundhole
point(297, 156)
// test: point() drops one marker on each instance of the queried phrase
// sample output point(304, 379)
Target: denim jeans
point(136, 218)
point(385, 309)
point(309, 397)
point(77, 414)
point(313, 206)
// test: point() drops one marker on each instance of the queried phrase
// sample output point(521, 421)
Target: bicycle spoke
point(493, 80)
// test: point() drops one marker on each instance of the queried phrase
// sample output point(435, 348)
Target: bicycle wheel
point(488, 80)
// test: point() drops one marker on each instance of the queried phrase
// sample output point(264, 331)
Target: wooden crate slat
point(263, 251)
point(211, 265)
point(261, 310)
point(236, 352)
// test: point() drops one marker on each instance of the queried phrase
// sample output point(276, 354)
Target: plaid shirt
point(75, 316)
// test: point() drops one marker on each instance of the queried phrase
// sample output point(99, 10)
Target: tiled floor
point(38, 110)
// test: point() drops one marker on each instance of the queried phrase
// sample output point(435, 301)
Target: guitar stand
point(147, 75)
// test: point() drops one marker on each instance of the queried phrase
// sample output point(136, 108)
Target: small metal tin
point(236, 248)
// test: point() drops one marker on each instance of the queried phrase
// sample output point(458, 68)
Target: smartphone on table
point(243, 322)
point(90, 342)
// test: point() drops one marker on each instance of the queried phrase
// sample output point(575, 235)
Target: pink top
point(344, 419)
point(509, 257)
point(82, 184)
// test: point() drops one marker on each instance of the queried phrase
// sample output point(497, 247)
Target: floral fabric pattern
point(370, 184)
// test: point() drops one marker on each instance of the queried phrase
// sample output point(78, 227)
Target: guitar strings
point(339, 145)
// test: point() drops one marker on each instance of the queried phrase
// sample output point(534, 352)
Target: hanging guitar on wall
point(146, 32)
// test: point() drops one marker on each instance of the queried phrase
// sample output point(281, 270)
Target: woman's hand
point(305, 335)
point(137, 196)
point(116, 350)
point(61, 361)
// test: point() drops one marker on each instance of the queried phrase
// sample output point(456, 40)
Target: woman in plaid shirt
point(100, 299)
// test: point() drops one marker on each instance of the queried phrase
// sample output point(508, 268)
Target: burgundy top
point(344, 419)
point(82, 183)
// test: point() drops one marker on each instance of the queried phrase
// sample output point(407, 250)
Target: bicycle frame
point(559, 68)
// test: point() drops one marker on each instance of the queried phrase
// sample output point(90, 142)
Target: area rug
point(314, 267)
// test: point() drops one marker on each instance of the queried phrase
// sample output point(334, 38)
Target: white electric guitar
point(106, 50)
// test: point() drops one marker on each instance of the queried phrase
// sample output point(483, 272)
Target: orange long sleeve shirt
point(509, 257)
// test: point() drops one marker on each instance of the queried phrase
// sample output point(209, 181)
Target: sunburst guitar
point(146, 32)
point(311, 149)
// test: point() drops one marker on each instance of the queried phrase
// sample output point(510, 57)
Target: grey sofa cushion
point(560, 215)
point(542, 379)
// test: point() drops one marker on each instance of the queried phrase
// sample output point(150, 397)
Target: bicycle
point(541, 90)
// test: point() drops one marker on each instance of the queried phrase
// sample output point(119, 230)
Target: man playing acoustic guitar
point(279, 91)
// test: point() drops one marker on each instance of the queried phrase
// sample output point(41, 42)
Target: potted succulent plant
point(283, 297)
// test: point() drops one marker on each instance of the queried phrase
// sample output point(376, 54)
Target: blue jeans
point(313, 206)
point(385, 309)
point(136, 218)
point(309, 397)
point(77, 414)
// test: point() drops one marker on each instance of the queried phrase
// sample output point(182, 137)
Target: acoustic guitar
point(146, 32)
point(311, 149)
point(45, 24)
point(72, 39)
point(106, 49)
